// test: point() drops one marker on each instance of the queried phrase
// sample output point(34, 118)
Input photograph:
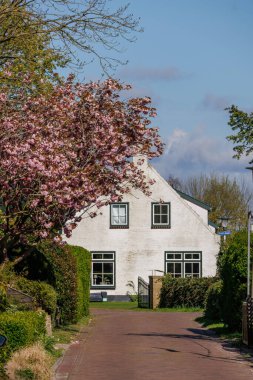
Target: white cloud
point(189, 154)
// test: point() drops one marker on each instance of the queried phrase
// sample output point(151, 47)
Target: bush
point(30, 363)
point(67, 269)
point(3, 299)
point(233, 272)
point(184, 292)
point(43, 293)
point(21, 329)
point(213, 302)
point(83, 263)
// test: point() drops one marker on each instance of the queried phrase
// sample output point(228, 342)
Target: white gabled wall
point(140, 249)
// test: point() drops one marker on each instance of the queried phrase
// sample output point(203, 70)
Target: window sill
point(119, 227)
point(103, 287)
point(154, 226)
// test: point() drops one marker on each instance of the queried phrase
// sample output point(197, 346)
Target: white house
point(141, 235)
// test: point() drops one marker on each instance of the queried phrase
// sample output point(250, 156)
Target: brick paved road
point(127, 345)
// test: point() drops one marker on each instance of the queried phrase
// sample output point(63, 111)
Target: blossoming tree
point(66, 154)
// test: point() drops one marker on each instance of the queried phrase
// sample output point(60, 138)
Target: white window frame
point(102, 260)
point(115, 206)
point(182, 257)
point(153, 214)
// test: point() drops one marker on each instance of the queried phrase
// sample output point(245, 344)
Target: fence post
point(155, 285)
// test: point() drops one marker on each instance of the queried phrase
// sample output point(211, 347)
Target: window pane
point(157, 219)
point(170, 268)
point(97, 279)
point(188, 256)
point(108, 256)
point(164, 209)
point(97, 256)
point(108, 279)
point(164, 219)
point(196, 256)
point(122, 219)
point(156, 209)
point(108, 267)
point(195, 267)
point(178, 256)
point(188, 268)
point(170, 256)
point(178, 268)
point(122, 210)
point(97, 267)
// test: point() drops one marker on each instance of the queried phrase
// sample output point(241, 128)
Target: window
point(103, 270)
point(160, 215)
point(119, 215)
point(183, 264)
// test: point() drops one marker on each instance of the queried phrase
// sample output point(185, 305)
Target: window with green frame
point(160, 215)
point(183, 264)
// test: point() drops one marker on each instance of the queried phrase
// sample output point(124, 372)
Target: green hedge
point(83, 263)
point(67, 270)
point(232, 266)
point(213, 302)
point(44, 294)
point(21, 328)
point(184, 292)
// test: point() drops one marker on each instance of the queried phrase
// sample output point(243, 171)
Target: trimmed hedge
point(184, 292)
point(44, 294)
point(232, 266)
point(21, 328)
point(83, 263)
point(213, 302)
point(67, 270)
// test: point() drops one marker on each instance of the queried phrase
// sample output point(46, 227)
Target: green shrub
point(65, 268)
point(83, 263)
point(21, 329)
point(3, 299)
point(213, 302)
point(232, 265)
point(184, 292)
point(43, 293)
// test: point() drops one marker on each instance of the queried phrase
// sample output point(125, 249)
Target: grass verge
point(232, 337)
point(134, 307)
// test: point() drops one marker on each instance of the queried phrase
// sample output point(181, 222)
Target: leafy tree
point(226, 197)
point(232, 266)
point(242, 123)
point(175, 182)
point(90, 26)
point(66, 154)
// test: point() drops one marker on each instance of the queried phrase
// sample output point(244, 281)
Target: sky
point(193, 59)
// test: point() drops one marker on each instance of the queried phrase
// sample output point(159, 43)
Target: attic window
point(160, 215)
point(119, 215)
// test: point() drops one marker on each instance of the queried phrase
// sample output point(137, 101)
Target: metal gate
point(247, 322)
point(143, 293)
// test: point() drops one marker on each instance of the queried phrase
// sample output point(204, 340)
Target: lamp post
point(223, 222)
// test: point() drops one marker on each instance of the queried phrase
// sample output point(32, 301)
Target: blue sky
point(194, 58)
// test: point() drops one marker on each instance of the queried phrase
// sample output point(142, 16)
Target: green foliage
point(67, 270)
point(21, 329)
point(26, 374)
point(242, 123)
point(3, 299)
point(44, 294)
point(226, 196)
point(232, 266)
point(213, 302)
point(184, 292)
point(83, 263)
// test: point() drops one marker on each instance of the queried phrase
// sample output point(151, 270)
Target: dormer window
point(160, 215)
point(119, 215)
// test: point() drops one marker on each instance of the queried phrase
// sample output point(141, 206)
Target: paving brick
point(127, 345)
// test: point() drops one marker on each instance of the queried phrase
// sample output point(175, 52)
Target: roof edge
point(193, 200)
